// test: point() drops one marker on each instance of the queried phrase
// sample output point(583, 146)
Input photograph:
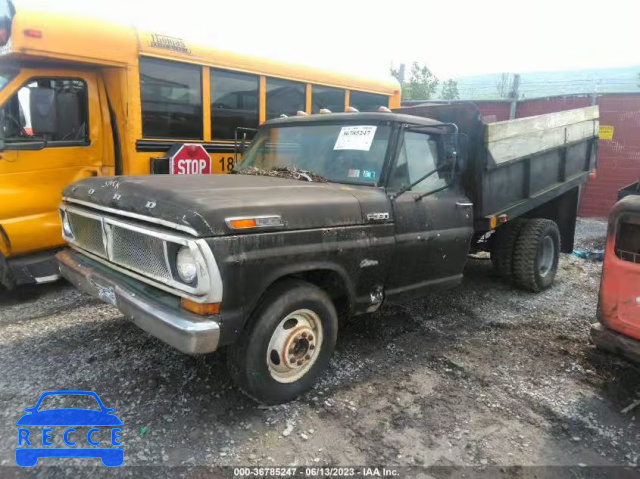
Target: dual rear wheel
point(526, 252)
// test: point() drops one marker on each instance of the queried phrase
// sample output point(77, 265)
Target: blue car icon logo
point(71, 427)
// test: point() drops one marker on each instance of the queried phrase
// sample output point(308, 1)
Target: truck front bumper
point(614, 342)
point(160, 315)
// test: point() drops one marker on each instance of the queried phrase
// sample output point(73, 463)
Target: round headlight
point(186, 265)
point(66, 226)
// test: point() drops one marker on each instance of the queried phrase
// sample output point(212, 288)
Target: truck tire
point(286, 344)
point(503, 247)
point(536, 255)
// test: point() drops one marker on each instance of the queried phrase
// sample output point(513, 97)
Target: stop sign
point(189, 159)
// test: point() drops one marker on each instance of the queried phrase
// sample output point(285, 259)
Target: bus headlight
point(186, 265)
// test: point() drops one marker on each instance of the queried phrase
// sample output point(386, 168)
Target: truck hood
point(202, 203)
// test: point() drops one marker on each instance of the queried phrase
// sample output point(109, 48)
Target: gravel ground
point(482, 376)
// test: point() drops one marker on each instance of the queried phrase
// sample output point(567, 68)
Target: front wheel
point(286, 344)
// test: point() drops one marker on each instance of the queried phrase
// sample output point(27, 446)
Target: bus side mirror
point(44, 112)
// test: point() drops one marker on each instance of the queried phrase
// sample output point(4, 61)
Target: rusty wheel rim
point(294, 346)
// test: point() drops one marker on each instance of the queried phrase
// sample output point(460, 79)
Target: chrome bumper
point(185, 331)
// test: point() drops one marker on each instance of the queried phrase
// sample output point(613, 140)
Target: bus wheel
point(503, 246)
point(536, 255)
point(286, 344)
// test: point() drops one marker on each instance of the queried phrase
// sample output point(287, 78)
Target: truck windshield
point(338, 152)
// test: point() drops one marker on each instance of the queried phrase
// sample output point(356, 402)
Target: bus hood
point(201, 204)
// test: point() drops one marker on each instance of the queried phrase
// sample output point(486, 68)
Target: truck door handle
point(464, 204)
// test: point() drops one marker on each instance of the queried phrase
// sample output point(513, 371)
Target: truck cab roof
point(350, 117)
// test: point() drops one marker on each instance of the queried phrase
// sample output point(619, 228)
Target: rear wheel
point(503, 247)
point(536, 255)
point(286, 344)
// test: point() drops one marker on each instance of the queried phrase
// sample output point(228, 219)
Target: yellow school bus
point(81, 97)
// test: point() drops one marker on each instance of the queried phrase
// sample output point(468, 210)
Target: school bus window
point(329, 98)
point(285, 97)
point(367, 101)
point(171, 99)
point(234, 103)
point(51, 109)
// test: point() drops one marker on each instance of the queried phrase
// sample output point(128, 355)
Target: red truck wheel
point(536, 255)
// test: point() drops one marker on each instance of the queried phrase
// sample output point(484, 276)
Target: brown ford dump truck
point(327, 216)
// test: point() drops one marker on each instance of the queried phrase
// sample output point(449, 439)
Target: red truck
point(618, 329)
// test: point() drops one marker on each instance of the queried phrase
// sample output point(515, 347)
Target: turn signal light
point(204, 309)
point(255, 222)
point(242, 224)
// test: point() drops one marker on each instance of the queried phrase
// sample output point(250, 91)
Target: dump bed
point(518, 165)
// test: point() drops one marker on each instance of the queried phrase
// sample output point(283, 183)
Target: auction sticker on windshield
point(355, 138)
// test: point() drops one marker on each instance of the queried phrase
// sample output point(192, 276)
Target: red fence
point(618, 158)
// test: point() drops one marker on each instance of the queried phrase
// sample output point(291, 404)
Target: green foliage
point(450, 90)
point(422, 84)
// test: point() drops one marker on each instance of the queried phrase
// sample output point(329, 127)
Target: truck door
point(433, 232)
point(53, 132)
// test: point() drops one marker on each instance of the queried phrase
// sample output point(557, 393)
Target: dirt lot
point(483, 376)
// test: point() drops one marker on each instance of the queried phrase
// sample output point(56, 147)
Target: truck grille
point(145, 253)
point(139, 252)
point(88, 233)
point(120, 243)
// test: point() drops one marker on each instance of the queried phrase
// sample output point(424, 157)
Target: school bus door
point(36, 165)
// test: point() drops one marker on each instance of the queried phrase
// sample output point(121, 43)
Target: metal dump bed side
point(517, 166)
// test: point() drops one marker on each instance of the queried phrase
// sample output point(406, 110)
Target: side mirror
point(239, 148)
point(455, 152)
point(449, 159)
point(44, 111)
point(463, 152)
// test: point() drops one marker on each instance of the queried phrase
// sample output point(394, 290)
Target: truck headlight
point(186, 265)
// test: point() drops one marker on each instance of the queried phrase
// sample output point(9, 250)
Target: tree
point(422, 84)
point(450, 90)
point(503, 85)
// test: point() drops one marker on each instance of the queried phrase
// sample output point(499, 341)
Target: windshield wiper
point(282, 172)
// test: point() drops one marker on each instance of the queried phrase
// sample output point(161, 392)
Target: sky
point(454, 39)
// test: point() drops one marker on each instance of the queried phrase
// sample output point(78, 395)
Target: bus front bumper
point(158, 314)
